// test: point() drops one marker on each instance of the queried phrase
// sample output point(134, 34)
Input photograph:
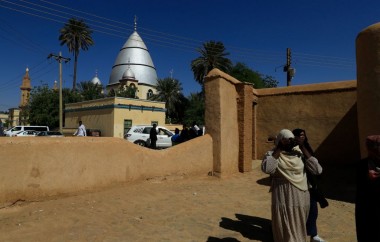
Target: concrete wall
point(43, 167)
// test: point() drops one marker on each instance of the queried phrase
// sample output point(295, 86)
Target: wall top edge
point(319, 87)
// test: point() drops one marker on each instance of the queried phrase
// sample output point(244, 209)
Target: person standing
point(184, 135)
point(175, 138)
point(81, 131)
point(1, 128)
point(315, 194)
point(290, 194)
point(195, 129)
point(153, 136)
point(367, 201)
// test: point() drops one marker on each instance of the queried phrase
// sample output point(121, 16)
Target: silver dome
point(128, 74)
point(96, 80)
point(134, 55)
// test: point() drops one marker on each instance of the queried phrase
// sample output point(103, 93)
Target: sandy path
point(205, 208)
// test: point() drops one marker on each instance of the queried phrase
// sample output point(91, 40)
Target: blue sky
point(321, 35)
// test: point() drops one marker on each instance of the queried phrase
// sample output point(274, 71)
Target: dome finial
point(135, 23)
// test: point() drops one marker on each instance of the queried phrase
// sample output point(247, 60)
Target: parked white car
point(16, 129)
point(25, 133)
point(139, 134)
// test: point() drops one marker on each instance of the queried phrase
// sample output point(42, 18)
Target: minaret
point(25, 93)
point(25, 90)
point(55, 87)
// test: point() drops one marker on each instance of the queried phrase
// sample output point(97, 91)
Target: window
point(38, 128)
point(127, 125)
point(149, 94)
point(17, 128)
point(147, 130)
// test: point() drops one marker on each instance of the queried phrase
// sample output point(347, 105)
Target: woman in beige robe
point(290, 195)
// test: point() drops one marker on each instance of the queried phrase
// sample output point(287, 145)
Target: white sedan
point(139, 134)
point(25, 133)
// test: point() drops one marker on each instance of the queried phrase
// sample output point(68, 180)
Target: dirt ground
point(204, 208)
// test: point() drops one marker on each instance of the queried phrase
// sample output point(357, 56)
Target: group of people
point(295, 195)
point(293, 169)
point(178, 136)
point(186, 133)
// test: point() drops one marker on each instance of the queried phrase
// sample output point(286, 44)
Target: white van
point(17, 129)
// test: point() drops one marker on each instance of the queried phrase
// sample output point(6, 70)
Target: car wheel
point(140, 142)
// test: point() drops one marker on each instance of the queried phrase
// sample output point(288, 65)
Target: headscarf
point(290, 164)
point(284, 134)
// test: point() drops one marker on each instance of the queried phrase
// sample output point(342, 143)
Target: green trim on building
point(121, 106)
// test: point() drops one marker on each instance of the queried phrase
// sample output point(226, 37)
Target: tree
point(195, 110)
point(169, 91)
point(90, 91)
point(44, 107)
point(269, 81)
point(76, 35)
point(124, 91)
point(212, 55)
point(244, 74)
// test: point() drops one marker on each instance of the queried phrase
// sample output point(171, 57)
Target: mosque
point(133, 67)
point(113, 116)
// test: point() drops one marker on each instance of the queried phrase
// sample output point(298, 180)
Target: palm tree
point(77, 36)
point(169, 90)
point(212, 56)
point(90, 91)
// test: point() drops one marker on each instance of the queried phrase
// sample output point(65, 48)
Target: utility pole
point(287, 68)
point(59, 58)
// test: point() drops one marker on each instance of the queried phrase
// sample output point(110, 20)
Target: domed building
point(113, 116)
point(134, 67)
point(96, 79)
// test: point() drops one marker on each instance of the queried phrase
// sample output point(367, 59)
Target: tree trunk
point(75, 70)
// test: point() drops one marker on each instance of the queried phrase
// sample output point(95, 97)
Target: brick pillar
point(245, 122)
point(221, 120)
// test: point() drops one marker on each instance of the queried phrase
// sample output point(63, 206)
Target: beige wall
point(143, 91)
point(238, 116)
point(108, 114)
point(49, 167)
point(327, 112)
point(14, 117)
point(221, 121)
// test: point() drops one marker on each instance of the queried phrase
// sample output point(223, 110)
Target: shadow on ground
point(266, 181)
point(253, 228)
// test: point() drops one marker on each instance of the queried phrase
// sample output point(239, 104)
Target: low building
point(113, 116)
